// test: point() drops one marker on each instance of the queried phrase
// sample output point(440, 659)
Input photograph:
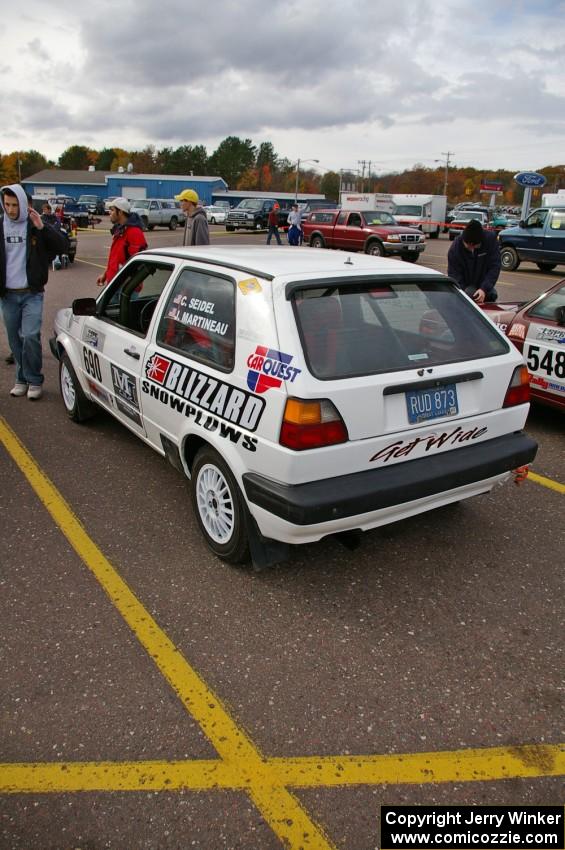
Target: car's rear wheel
point(435, 234)
point(375, 249)
point(150, 227)
point(173, 224)
point(509, 259)
point(78, 407)
point(219, 507)
point(546, 267)
point(212, 220)
point(317, 242)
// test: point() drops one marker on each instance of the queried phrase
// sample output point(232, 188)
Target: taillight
point(311, 424)
point(518, 391)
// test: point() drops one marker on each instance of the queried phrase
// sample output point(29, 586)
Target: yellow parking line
point(474, 765)
point(546, 482)
point(281, 810)
point(87, 263)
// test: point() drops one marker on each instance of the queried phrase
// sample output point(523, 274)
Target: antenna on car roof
point(348, 262)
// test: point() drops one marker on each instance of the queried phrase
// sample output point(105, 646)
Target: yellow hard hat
point(187, 195)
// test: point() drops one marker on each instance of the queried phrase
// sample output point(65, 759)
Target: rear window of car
point(373, 327)
point(546, 308)
point(322, 217)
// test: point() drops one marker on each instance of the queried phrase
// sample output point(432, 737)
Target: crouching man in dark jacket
point(473, 261)
point(27, 247)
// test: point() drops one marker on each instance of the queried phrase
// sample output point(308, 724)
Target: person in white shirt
point(295, 226)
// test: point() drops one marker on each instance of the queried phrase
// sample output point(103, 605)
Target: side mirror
point(84, 307)
point(522, 223)
point(560, 315)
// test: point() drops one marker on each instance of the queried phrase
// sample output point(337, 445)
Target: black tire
point(145, 222)
point(317, 241)
point(509, 259)
point(410, 258)
point(174, 223)
point(435, 234)
point(150, 227)
point(219, 507)
point(546, 267)
point(212, 220)
point(375, 248)
point(451, 237)
point(259, 226)
point(78, 407)
point(230, 227)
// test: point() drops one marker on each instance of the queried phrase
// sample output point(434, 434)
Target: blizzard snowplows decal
point(268, 368)
point(183, 388)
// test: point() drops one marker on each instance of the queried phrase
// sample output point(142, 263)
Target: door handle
point(132, 353)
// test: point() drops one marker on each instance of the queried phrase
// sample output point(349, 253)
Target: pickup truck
point(374, 233)
point(539, 239)
point(93, 203)
point(155, 212)
point(253, 214)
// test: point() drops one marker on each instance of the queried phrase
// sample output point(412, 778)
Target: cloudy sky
point(394, 83)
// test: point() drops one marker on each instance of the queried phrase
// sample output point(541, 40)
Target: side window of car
point(537, 219)
point(341, 219)
point(130, 300)
point(557, 220)
point(354, 220)
point(153, 205)
point(199, 319)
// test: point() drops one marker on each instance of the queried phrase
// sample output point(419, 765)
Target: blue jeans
point(22, 312)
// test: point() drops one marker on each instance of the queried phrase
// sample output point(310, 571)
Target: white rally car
point(302, 393)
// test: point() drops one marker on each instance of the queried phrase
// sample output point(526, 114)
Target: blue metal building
point(107, 184)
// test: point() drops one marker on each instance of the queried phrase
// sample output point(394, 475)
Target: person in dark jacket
point(273, 222)
point(473, 261)
point(196, 230)
point(27, 247)
point(127, 238)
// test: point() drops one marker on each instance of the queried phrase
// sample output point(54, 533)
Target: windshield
point(251, 204)
point(140, 205)
point(378, 218)
point(367, 328)
point(408, 209)
point(546, 308)
point(86, 199)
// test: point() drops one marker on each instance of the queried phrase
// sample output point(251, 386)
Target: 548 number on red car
point(546, 360)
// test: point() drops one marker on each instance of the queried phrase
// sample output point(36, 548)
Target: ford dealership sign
point(530, 178)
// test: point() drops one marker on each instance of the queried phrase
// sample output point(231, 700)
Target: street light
point(297, 173)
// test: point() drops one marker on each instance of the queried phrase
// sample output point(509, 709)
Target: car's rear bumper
point(332, 500)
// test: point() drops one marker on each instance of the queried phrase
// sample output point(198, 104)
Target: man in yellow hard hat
point(196, 226)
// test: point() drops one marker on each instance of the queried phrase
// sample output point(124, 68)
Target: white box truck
point(554, 199)
point(426, 212)
point(367, 201)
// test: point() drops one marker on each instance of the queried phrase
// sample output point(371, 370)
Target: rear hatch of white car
point(407, 363)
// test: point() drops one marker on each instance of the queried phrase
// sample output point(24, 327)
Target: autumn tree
point(231, 158)
point(329, 185)
point(186, 159)
point(105, 158)
point(75, 158)
point(24, 163)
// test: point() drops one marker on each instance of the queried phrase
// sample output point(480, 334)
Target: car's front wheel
point(219, 507)
point(375, 249)
point(212, 220)
point(546, 267)
point(509, 259)
point(173, 224)
point(78, 407)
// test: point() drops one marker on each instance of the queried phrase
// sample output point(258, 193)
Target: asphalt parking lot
point(156, 698)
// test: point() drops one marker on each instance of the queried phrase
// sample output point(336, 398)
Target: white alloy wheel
point(215, 504)
point(68, 388)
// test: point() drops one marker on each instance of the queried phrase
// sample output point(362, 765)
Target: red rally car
point(537, 328)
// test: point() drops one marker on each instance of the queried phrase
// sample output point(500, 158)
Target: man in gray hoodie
point(196, 231)
point(27, 247)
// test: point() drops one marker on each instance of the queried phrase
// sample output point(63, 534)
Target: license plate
point(411, 247)
point(432, 403)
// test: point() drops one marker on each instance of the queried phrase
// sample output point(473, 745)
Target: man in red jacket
point(127, 238)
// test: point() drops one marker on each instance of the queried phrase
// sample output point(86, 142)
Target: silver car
point(216, 214)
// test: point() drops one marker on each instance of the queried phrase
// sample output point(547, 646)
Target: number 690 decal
point(92, 364)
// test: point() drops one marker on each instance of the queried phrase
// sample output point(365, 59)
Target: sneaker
point(34, 392)
point(19, 389)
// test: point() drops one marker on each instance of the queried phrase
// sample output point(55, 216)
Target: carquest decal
point(168, 381)
point(268, 368)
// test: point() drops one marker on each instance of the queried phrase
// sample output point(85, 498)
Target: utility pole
point(447, 155)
